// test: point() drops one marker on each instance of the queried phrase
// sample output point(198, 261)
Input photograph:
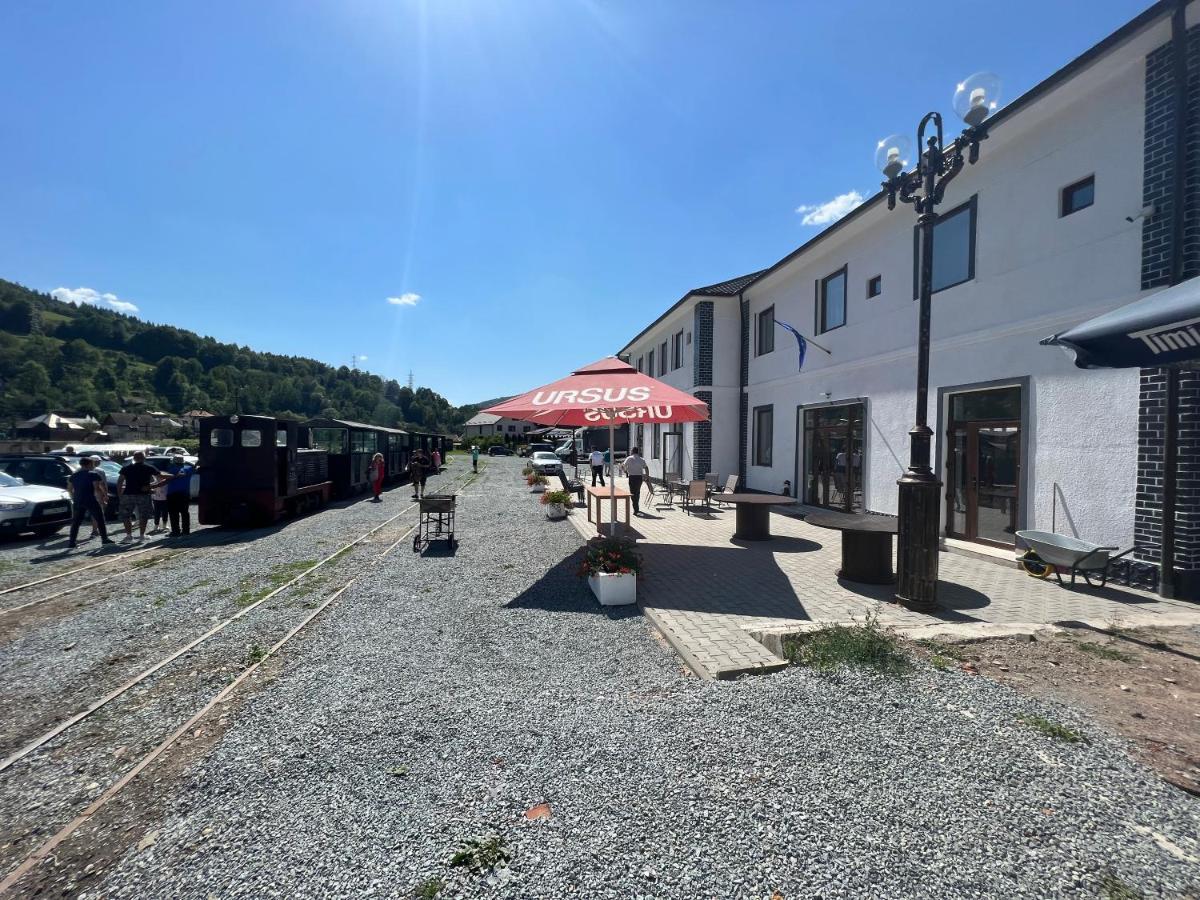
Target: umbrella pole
point(612, 478)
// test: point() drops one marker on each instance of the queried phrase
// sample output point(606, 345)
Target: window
point(280, 437)
point(362, 442)
point(331, 440)
point(655, 434)
point(1077, 196)
point(650, 363)
point(677, 350)
point(765, 338)
point(874, 286)
point(662, 358)
point(526, 428)
point(953, 249)
point(639, 364)
point(251, 437)
point(512, 427)
point(764, 436)
point(831, 310)
point(220, 437)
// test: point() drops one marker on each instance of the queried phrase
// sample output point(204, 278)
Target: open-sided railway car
point(254, 469)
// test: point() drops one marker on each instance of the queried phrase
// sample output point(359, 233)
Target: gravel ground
point(58, 658)
point(444, 696)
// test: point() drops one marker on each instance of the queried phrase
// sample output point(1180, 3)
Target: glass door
point(983, 466)
point(833, 457)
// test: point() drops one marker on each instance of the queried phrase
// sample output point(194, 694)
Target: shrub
point(533, 479)
point(611, 556)
point(865, 646)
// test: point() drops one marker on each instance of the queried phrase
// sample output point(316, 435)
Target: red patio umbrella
point(609, 391)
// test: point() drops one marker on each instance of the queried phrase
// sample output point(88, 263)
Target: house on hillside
point(1068, 214)
point(136, 427)
point(486, 425)
point(53, 427)
point(192, 419)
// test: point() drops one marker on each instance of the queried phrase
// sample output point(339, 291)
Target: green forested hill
point(59, 357)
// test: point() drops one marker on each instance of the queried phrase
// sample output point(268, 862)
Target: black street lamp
point(923, 187)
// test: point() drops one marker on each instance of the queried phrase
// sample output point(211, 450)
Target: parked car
point(531, 449)
point(53, 471)
point(544, 462)
point(32, 507)
point(161, 463)
point(499, 450)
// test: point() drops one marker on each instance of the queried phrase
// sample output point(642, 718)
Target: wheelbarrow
point(1053, 554)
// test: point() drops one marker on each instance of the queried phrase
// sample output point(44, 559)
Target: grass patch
point(428, 889)
point(1113, 887)
point(1104, 651)
point(255, 654)
point(6, 566)
point(277, 577)
point(939, 648)
point(1050, 729)
point(865, 646)
point(482, 853)
point(941, 663)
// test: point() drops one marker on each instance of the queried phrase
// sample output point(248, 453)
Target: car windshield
point(548, 457)
point(112, 468)
point(7, 481)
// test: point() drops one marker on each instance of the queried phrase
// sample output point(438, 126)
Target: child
point(158, 497)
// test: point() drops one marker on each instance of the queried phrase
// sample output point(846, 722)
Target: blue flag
point(801, 343)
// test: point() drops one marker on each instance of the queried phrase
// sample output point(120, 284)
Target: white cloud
point(405, 300)
point(84, 295)
point(831, 210)
point(363, 358)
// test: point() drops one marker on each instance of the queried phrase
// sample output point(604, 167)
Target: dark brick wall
point(743, 400)
point(1158, 188)
point(702, 440)
point(702, 343)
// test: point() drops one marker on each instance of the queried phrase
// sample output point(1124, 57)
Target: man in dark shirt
point(133, 491)
point(83, 485)
point(178, 479)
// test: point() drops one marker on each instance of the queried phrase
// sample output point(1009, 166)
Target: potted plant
point(527, 471)
point(557, 503)
point(536, 482)
point(611, 567)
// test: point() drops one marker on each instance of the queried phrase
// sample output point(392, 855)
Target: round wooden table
point(866, 544)
point(753, 513)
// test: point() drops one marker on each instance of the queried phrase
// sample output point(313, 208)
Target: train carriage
point(255, 469)
point(396, 454)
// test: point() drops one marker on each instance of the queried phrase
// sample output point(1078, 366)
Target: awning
point(1158, 330)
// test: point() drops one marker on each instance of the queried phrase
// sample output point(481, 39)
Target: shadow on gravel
point(562, 590)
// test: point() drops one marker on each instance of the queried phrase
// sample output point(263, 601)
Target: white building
point(486, 425)
point(1044, 232)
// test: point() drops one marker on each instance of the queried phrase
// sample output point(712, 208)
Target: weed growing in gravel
point(255, 654)
point(1105, 652)
point(1113, 887)
point(1050, 729)
point(938, 648)
point(428, 889)
point(865, 646)
point(278, 576)
point(941, 663)
point(482, 853)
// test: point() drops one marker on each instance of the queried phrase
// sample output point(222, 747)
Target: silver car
point(545, 463)
point(32, 507)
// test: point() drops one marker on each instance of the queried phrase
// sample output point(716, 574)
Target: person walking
point(635, 471)
point(417, 473)
point(475, 458)
point(378, 470)
point(597, 462)
point(133, 494)
point(608, 458)
point(178, 479)
point(89, 492)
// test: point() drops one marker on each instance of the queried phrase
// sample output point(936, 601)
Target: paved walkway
point(717, 600)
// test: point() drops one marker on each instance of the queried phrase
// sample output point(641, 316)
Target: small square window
point(874, 286)
point(1077, 196)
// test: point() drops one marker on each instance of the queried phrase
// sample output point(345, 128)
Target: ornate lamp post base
point(917, 541)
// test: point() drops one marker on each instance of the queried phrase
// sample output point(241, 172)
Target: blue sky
point(529, 181)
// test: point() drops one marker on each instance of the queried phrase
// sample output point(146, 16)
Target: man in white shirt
point(597, 463)
point(635, 469)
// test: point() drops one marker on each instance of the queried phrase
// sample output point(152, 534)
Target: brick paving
point(710, 596)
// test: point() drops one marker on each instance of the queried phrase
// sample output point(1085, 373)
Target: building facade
point(486, 425)
point(1067, 215)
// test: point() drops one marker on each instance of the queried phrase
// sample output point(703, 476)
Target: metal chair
point(696, 495)
point(731, 486)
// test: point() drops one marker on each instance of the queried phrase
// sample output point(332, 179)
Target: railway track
point(140, 688)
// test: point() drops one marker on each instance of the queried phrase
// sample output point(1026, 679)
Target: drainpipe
point(1167, 586)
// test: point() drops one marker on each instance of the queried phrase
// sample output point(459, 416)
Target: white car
point(545, 463)
point(32, 507)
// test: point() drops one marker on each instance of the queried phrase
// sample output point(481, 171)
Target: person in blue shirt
point(84, 483)
point(178, 479)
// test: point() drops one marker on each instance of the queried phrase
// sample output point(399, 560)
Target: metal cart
point(436, 522)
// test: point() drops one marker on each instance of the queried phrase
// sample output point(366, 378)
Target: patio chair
point(731, 486)
point(714, 482)
point(670, 484)
point(571, 485)
point(696, 495)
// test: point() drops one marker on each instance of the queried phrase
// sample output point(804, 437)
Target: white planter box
point(555, 511)
point(537, 489)
point(614, 589)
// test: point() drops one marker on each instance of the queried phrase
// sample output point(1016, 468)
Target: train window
point(251, 437)
point(220, 437)
point(362, 442)
point(331, 439)
point(281, 437)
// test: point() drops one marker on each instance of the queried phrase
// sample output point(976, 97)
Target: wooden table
point(603, 494)
point(866, 544)
point(753, 511)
